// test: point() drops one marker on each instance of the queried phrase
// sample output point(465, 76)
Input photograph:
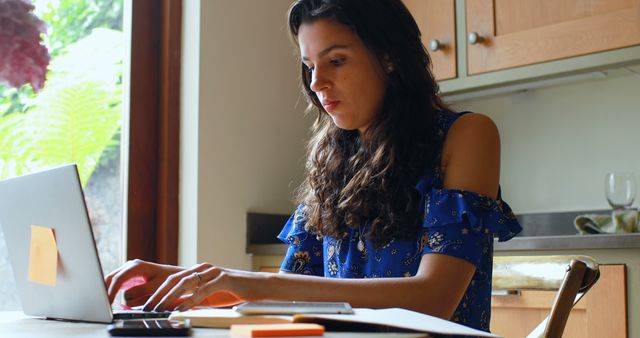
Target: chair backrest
point(571, 276)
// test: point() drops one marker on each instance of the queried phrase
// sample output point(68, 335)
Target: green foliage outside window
point(76, 117)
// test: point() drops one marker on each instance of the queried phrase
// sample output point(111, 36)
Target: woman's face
point(345, 76)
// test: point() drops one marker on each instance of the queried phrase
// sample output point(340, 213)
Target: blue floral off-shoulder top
point(456, 223)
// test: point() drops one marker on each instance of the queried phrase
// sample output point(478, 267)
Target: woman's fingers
point(165, 287)
point(136, 273)
point(187, 284)
point(138, 295)
point(211, 282)
point(116, 279)
point(134, 302)
point(109, 279)
point(199, 295)
point(169, 285)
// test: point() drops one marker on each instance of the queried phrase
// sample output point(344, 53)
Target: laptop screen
point(45, 221)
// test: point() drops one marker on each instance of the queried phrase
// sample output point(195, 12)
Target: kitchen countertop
point(566, 242)
point(541, 231)
point(571, 242)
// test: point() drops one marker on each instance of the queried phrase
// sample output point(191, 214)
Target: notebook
point(52, 249)
point(362, 320)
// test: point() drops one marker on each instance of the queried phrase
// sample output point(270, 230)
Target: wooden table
point(15, 324)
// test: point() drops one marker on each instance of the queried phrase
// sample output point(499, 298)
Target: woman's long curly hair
point(354, 179)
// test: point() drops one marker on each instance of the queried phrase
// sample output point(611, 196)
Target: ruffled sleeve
point(304, 255)
point(463, 224)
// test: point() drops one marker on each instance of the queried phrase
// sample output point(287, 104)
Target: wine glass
point(620, 188)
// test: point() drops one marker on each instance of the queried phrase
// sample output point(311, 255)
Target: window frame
point(154, 140)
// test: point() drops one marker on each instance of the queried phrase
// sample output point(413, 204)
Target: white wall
point(558, 142)
point(190, 112)
point(243, 142)
point(243, 130)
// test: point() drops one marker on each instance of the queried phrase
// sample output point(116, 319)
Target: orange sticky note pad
point(43, 256)
point(277, 330)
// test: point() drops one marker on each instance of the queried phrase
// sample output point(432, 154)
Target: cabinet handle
point(435, 45)
point(505, 292)
point(475, 38)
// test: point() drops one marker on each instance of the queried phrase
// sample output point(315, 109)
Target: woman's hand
point(208, 284)
point(151, 275)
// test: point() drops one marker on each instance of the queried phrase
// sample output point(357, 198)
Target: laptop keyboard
point(139, 314)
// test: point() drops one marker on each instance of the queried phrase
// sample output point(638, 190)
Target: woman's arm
point(436, 289)
point(471, 162)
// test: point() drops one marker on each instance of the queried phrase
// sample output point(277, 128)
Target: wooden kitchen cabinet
point(521, 32)
point(601, 313)
point(521, 41)
point(436, 20)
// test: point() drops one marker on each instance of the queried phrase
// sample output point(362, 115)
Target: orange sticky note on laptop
point(43, 256)
point(276, 330)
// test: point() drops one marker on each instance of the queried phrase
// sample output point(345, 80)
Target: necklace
point(360, 245)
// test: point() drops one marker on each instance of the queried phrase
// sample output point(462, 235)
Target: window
point(87, 43)
point(75, 118)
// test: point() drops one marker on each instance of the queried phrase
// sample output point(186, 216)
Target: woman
point(397, 185)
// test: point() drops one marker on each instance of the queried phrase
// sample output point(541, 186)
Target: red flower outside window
point(23, 57)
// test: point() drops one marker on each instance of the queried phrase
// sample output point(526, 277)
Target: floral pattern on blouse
point(456, 223)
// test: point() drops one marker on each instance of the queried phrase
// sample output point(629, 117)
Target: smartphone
point(290, 308)
point(149, 327)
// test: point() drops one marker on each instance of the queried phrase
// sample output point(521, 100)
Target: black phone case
point(117, 331)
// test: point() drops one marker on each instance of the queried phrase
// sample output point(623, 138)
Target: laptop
point(54, 199)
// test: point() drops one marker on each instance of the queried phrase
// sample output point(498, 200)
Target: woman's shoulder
point(471, 154)
point(464, 130)
point(451, 124)
point(463, 120)
point(469, 124)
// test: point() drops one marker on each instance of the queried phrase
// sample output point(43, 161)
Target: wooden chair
point(571, 276)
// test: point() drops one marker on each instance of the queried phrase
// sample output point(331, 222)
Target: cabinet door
point(521, 32)
point(436, 20)
point(602, 312)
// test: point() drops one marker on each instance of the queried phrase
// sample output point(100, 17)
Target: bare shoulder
point(471, 155)
point(471, 132)
point(472, 125)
